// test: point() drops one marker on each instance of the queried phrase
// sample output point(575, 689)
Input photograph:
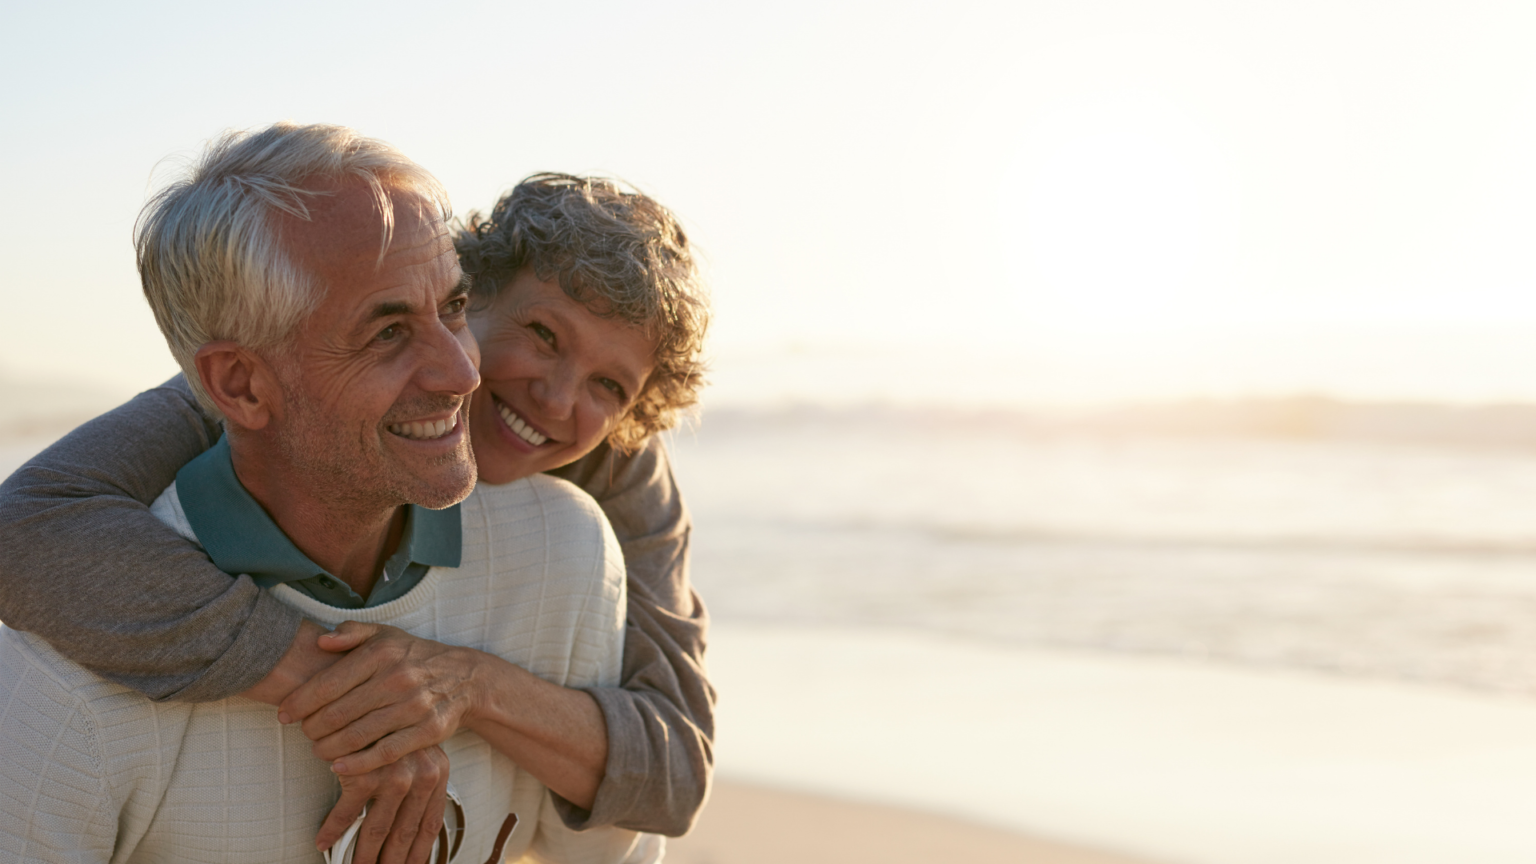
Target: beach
point(747, 824)
point(1149, 758)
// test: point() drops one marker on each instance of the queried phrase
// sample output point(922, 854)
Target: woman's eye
point(543, 332)
point(613, 387)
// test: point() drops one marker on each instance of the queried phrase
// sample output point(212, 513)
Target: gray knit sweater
point(87, 567)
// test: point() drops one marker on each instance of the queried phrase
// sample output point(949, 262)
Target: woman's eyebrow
point(548, 310)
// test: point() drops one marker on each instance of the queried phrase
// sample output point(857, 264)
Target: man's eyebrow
point(391, 308)
point(388, 310)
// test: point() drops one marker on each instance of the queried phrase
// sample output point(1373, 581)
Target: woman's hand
point(392, 694)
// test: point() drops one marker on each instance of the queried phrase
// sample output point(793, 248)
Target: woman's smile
point(556, 379)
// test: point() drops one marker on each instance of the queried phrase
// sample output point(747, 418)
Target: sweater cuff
point(260, 644)
point(624, 775)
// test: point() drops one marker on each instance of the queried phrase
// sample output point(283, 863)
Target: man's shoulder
point(536, 497)
point(543, 510)
point(54, 686)
point(167, 508)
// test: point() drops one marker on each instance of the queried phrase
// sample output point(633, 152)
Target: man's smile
point(425, 431)
point(429, 428)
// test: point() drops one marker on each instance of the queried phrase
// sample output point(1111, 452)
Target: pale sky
point(990, 202)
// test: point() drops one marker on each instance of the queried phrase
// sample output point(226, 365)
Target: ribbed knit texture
point(92, 771)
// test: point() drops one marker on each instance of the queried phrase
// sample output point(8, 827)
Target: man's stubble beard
point(359, 476)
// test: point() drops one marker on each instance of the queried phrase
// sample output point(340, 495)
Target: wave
point(1027, 535)
point(1296, 417)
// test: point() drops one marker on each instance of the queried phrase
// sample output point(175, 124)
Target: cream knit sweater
point(94, 772)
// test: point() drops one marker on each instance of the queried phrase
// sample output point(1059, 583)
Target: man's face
point(377, 378)
point(558, 378)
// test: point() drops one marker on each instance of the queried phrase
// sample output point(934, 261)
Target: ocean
point(1381, 557)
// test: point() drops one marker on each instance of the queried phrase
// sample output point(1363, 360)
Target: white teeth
point(516, 424)
point(422, 431)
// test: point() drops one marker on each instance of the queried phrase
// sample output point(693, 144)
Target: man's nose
point(453, 362)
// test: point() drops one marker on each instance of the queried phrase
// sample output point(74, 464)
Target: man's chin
point(448, 485)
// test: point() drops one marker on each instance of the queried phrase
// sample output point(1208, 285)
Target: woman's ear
point(239, 382)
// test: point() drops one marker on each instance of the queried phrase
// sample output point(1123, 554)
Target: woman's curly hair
point(620, 254)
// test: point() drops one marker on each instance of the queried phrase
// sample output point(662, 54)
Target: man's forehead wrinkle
point(345, 223)
point(377, 192)
point(416, 210)
point(345, 228)
point(436, 239)
point(370, 311)
point(370, 213)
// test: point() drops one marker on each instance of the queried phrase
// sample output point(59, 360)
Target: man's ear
point(240, 383)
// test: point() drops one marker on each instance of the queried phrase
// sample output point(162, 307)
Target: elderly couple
point(268, 607)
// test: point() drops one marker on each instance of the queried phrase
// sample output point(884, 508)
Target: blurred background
point(1123, 423)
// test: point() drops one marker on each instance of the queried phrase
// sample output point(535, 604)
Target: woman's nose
point(555, 391)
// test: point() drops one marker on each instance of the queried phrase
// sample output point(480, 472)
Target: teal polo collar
point(241, 538)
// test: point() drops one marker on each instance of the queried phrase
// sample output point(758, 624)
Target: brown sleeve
point(90, 569)
point(660, 719)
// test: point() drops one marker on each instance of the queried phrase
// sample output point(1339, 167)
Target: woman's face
point(555, 379)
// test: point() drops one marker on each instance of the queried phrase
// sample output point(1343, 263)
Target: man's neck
point(351, 539)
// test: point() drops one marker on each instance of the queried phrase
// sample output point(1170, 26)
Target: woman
point(591, 318)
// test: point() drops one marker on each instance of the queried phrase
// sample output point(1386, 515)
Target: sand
point(1161, 758)
point(747, 824)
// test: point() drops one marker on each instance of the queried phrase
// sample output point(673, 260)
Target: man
point(307, 284)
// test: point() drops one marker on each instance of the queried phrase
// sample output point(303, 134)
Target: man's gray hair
point(210, 255)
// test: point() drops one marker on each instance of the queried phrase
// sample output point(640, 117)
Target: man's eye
point(455, 306)
point(388, 334)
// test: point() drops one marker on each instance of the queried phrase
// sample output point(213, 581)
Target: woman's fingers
point(357, 667)
point(392, 683)
point(348, 635)
point(360, 718)
point(387, 750)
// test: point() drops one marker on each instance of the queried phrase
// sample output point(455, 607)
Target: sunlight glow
point(1140, 189)
point(1121, 211)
